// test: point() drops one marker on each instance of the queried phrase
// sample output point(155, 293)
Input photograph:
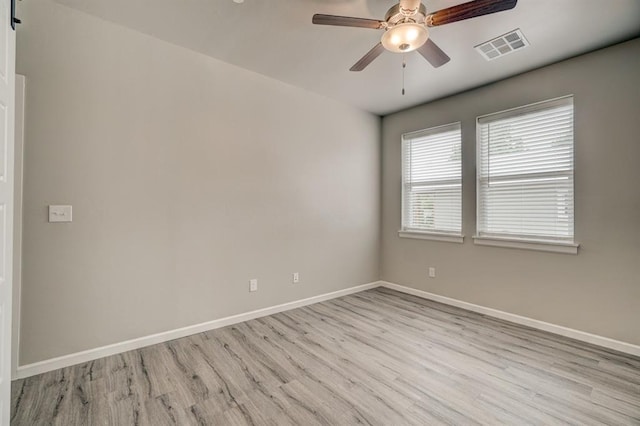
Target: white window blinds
point(432, 180)
point(525, 172)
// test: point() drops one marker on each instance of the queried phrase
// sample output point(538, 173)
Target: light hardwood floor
point(376, 357)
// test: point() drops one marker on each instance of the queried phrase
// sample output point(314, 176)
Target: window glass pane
point(432, 180)
point(525, 172)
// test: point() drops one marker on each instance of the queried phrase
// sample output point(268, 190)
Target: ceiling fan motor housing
point(395, 15)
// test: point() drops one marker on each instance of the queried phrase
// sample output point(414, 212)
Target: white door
point(7, 127)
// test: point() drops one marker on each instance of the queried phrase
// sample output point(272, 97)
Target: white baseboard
point(605, 342)
point(116, 348)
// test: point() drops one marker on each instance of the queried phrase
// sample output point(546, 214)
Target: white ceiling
point(276, 38)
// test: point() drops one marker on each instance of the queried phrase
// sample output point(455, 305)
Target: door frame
point(17, 222)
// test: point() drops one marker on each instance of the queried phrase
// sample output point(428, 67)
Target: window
point(525, 177)
point(432, 184)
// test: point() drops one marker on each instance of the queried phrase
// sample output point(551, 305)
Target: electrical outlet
point(432, 272)
point(296, 277)
point(253, 285)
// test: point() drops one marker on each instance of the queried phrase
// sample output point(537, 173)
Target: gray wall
point(597, 291)
point(188, 177)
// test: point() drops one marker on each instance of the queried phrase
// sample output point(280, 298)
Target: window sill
point(548, 246)
point(433, 236)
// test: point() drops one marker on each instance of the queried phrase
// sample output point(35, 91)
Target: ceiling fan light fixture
point(405, 37)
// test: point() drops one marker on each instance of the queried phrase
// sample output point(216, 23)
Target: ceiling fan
point(405, 27)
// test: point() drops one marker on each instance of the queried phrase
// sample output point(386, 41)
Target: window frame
point(425, 234)
point(538, 243)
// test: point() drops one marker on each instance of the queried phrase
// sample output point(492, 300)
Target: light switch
point(59, 213)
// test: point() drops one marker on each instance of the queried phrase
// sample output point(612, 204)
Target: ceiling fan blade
point(432, 53)
point(368, 58)
point(468, 10)
point(346, 21)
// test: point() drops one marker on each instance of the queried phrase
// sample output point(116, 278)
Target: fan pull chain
point(404, 65)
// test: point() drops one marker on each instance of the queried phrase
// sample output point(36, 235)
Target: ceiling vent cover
point(503, 45)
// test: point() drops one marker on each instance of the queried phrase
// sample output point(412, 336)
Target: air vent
point(503, 45)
